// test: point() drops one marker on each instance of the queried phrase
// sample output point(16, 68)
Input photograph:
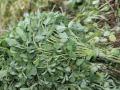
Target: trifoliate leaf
point(106, 33)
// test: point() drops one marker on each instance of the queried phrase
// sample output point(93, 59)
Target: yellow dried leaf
point(112, 38)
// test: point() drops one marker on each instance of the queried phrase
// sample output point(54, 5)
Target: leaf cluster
point(46, 51)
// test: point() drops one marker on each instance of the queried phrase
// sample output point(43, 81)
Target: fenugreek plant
point(46, 51)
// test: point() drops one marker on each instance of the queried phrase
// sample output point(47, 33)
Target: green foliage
point(46, 51)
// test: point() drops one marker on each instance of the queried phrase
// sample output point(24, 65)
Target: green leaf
point(60, 28)
point(79, 62)
point(12, 42)
point(21, 33)
point(3, 73)
point(115, 52)
point(39, 38)
point(32, 71)
point(96, 2)
point(68, 69)
point(47, 21)
point(63, 36)
point(106, 33)
point(75, 26)
point(94, 68)
point(18, 84)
